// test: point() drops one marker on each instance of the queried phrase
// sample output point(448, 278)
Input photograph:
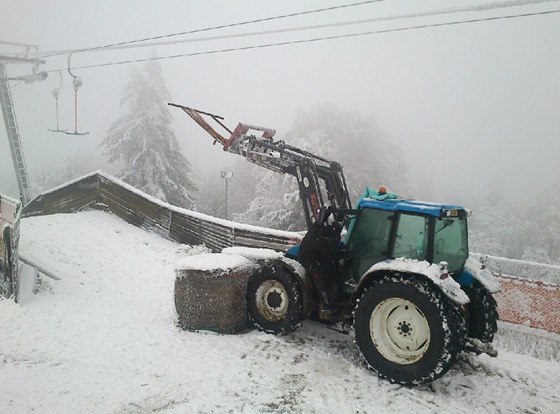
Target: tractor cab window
point(369, 241)
point(450, 242)
point(411, 238)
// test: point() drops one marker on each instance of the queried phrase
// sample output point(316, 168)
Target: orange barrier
point(528, 302)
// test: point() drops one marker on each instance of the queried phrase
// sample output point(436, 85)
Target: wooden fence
point(100, 190)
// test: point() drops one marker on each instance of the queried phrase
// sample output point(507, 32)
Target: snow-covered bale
point(253, 253)
point(210, 292)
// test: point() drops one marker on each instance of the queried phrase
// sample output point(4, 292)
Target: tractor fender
point(403, 266)
point(477, 269)
point(300, 275)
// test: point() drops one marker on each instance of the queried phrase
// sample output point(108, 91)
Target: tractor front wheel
point(274, 300)
point(407, 330)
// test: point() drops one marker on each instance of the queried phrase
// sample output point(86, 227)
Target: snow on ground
point(103, 339)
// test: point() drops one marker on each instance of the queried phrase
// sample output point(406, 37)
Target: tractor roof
point(383, 200)
point(399, 204)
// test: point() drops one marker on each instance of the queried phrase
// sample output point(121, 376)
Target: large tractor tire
point(482, 313)
point(274, 300)
point(407, 330)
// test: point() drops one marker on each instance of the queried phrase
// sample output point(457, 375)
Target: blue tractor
point(397, 271)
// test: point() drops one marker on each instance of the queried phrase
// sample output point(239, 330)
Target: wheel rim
point(399, 331)
point(272, 300)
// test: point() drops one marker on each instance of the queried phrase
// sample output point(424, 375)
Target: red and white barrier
point(529, 302)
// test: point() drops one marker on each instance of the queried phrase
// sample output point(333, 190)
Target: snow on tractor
point(397, 271)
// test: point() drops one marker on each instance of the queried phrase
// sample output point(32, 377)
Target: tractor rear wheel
point(274, 300)
point(407, 330)
point(482, 313)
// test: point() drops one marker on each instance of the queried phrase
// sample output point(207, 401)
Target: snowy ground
point(103, 339)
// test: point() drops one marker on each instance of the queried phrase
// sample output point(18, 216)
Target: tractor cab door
point(411, 236)
point(368, 242)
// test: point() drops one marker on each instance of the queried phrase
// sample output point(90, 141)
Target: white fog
point(148, 270)
point(472, 108)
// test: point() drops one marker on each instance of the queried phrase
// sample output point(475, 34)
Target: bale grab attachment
point(309, 169)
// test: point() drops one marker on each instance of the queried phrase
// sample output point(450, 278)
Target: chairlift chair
point(55, 93)
point(77, 81)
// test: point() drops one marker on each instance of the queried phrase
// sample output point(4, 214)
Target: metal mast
point(12, 130)
point(13, 136)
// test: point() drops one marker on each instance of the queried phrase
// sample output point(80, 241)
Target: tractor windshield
point(450, 242)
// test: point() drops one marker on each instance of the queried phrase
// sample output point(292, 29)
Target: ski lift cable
point(318, 39)
point(449, 10)
point(223, 26)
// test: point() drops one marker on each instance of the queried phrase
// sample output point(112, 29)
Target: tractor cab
point(388, 227)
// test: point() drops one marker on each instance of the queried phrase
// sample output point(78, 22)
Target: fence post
point(10, 214)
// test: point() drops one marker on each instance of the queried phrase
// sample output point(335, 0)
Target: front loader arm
point(308, 169)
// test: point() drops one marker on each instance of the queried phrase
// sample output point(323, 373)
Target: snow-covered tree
point(354, 140)
point(486, 227)
point(145, 143)
point(210, 196)
point(276, 204)
point(545, 227)
point(519, 232)
point(73, 167)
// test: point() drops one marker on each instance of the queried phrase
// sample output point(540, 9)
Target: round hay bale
point(210, 292)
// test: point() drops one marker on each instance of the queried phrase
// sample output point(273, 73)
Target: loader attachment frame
point(321, 182)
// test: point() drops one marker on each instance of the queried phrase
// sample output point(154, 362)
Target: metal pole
point(227, 195)
point(75, 111)
point(57, 128)
point(227, 175)
point(8, 110)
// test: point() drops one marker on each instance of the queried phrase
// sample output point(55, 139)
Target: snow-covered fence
point(100, 190)
point(10, 213)
point(528, 302)
point(521, 339)
point(67, 198)
point(523, 268)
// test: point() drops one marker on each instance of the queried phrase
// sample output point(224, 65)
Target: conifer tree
point(143, 140)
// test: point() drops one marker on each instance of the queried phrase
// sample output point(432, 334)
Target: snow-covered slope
point(103, 339)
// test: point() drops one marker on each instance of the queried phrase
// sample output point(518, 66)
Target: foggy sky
point(475, 107)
